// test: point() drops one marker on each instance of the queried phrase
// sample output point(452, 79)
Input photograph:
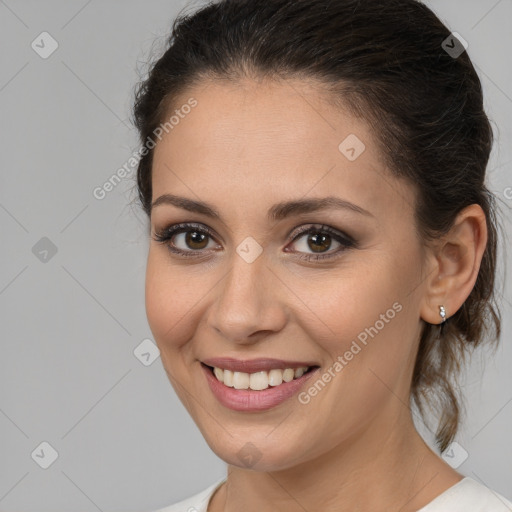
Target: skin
point(243, 148)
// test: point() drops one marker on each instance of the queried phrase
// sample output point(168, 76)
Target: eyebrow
point(276, 213)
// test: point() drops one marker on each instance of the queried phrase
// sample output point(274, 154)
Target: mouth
point(260, 380)
point(268, 384)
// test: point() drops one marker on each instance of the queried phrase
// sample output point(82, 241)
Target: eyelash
point(165, 235)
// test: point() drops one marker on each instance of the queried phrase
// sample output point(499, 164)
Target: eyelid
point(323, 229)
point(346, 241)
point(166, 233)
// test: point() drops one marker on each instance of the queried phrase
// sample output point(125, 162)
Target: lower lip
point(248, 400)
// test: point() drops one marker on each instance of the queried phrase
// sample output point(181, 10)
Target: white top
point(467, 495)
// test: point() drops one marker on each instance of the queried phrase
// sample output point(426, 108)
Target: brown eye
point(314, 242)
point(190, 240)
point(318, 240)
point(196, 240)
point(185, 239)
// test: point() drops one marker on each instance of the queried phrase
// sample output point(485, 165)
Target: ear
point(456, 261)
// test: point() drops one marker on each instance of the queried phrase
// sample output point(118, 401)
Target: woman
point(323, 248)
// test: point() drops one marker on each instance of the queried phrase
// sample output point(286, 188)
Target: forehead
point(266, 141)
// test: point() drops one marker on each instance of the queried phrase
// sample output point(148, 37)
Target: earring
point(442, 312)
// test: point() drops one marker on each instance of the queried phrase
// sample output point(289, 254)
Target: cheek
point(169, 304)
point(365, 322)
point(349, 302)
point(367, 343)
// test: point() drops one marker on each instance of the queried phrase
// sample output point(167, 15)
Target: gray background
point(70, 324)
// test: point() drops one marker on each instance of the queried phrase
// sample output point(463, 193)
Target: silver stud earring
point(442, 312)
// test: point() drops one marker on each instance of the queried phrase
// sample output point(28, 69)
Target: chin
point(258, 452)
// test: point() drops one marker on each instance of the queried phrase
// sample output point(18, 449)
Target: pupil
point(319, 239)
point(193, 238)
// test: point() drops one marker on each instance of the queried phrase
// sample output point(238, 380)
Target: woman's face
point(247, 290)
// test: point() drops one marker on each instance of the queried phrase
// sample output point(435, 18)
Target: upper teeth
point(259, 380)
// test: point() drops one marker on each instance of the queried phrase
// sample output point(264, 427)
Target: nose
point(249, 304)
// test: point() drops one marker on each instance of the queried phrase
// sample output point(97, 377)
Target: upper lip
point(253, 365)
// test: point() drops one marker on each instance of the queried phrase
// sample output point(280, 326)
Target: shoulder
point(196, 503)
point(468, 495)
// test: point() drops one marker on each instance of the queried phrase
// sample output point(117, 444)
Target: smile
point(259, 389)
point(260, 380)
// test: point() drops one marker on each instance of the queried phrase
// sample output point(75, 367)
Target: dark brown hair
point(384, 60)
